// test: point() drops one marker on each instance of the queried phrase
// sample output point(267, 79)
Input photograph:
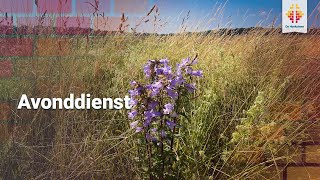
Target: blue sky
point(236, 13)
point(203, 13)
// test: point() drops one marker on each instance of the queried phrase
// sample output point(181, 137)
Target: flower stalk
point(156, 110)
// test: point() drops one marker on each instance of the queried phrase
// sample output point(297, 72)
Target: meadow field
point(254, 108)
point(258, 96)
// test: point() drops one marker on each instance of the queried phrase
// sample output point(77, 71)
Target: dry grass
point(98, 144)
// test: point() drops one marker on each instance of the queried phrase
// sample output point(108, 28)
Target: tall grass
point(239, 126)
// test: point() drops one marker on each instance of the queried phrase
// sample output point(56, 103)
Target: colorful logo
point(295, 14)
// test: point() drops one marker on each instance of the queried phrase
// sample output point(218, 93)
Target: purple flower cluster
point(154, 105)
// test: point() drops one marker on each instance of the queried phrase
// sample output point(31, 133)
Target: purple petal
point(133, 102)
point(163, 134)
point(168, 108)
point(139, 129)
point(185, 61)
point(170, 124)
point(132, 114)
point(147, 122)
point(164, 61)
point(134, 124)
point(157, 85)
point(167, 70)
point(153, 105)
point(171, 93)
point(154, 130)
point(135, 92)
point(148, 115)
point(154, 139)
point(154, 92)
point(147, 69)
point(197, 73)
point(133, 83)
point(190, 87)
point(158, 71)
point(148, 137)
point(177, 81)
point(189, 70)
point(156, 113)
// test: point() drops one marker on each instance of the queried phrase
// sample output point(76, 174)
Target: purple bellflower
point(154, 103)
